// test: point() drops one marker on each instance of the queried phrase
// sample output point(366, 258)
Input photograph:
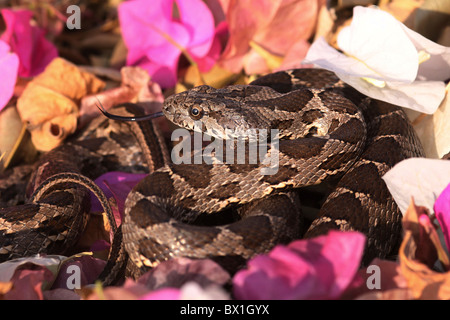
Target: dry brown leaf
point(325, 22)
point(434, 130)
point(15, 143)
point(444, 39)
point(119, 54)
point(427, 17)
point(431, 18)
point(10, 128)
point(423, 282)
point(216, 77)
point(49, 103)
point(5, 287)
point(403, 10)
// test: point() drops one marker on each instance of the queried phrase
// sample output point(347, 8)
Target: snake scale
point(328, 132)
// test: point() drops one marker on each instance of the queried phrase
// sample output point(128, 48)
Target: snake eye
point(196, 112)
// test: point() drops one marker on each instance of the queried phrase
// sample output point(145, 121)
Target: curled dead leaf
point(136, 87)
point(15, 142)
point(416, 252)
point(49, 103)
point(10, 131)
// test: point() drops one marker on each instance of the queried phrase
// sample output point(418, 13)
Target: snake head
point(215, 112)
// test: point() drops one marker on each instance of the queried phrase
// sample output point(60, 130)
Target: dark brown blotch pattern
point(352, 131)
point(196, 175)
point(302, 148)
point(336, 102)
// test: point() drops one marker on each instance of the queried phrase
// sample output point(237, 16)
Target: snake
point(327, 135)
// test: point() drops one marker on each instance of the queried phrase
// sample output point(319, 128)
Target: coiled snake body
point(327, 131)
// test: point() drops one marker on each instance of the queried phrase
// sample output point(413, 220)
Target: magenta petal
point(116, 184)
point(43, 53)
point(9, 64)
point(442, 211)
point(19, 36)
point(155, 38)
point(318, 268)
point(165, 76)
point(145, 26)
point(273, 276)
point(99, 245)
point(34, 50)
point(207, 62)
point(198, 20)
point(344, 250)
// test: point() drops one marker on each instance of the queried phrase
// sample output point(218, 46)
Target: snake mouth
point(168, 111)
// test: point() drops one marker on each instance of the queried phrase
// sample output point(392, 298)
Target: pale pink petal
point(27, 283)
point(295, 55)
point(178, 271)
point(9, 64)
point(273, 25)
point(442, 211)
